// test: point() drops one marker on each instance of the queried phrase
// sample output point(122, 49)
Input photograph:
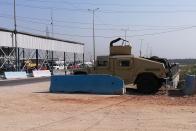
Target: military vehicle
point(148, 74)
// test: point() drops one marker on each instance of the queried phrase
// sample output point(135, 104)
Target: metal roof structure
point(32, 41)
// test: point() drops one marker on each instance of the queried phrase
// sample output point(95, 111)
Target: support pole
point(47, 53)
point(8, 50)
point(3, 55)
point(83, 60)
point(47, 59)
point(52, 63)
point(18, 60)
point(64, 59)
point(23, 55)
point(12, 49)
point(37, 59)
point(74, 59)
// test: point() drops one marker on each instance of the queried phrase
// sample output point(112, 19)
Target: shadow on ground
point(129, 91)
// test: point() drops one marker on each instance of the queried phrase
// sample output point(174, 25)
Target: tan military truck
point(149, 74)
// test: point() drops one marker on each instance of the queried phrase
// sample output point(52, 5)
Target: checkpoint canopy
point(32, 41)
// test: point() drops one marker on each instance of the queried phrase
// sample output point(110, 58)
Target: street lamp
point(93, 12)
point(16, 45)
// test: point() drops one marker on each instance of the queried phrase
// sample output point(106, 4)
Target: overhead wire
point(139, 35)
point(109, 4)
point(71, 35)
point(163, 32)
point(45, 7)
point(99, 36)
point(82, 28)
point(47, 21)
point(103, 11)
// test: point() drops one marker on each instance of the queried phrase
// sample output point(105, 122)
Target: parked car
point(58, 67)
point(72, 66)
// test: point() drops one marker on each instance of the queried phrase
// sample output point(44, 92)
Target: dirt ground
point(32, 108)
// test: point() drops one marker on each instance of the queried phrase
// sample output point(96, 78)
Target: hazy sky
point(167, 27)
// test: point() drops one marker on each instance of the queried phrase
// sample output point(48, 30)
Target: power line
point(164, 32)
point(62, 26)
point(43, 22)
point(45, 7)
point(99, 36)
point(83, 28)
point(105, 11)
point(179, 28)
point(110, 37)
point(109, 4)
point(146, 11)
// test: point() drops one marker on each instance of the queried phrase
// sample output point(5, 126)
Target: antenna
point(141, 47)
point(125, 31)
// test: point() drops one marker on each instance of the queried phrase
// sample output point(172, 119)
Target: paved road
point(23, 81)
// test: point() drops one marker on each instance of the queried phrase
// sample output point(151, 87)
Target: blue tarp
point(97, 84)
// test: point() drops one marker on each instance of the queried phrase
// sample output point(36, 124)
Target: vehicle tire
point(80, 73)
point(148, 84)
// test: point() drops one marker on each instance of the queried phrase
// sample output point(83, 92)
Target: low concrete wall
point(41, 73)
point(15, 75)
point(97, 84)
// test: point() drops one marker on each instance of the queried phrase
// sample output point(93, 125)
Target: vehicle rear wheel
point(148, 84)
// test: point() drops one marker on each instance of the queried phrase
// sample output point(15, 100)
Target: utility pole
point(15, 33)
point(52, 22)
point(141, 47)
point(147, 50)
point(47, 32)
point(47, 35)
point(93, 12)
point(150, 51)
point(52, 52)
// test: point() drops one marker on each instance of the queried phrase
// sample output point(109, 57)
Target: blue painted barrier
point(190, 85)
point(15, 75)
point(97, 84)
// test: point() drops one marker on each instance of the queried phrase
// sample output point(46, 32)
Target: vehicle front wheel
point(148, 84)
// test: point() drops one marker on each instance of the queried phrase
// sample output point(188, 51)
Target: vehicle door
point(123, 68)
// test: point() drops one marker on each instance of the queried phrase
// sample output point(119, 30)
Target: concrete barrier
point(97, 84)
point(190, 85)
point(41, 73)
point(15, 75)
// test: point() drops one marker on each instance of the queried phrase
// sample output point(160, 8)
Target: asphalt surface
point(15, 82)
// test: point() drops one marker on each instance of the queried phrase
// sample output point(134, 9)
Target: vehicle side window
point(102, 63)
point(125, 63)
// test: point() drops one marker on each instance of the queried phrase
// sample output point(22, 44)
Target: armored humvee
point(148, 74)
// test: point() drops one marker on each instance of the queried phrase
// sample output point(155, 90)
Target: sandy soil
point(32, 108)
